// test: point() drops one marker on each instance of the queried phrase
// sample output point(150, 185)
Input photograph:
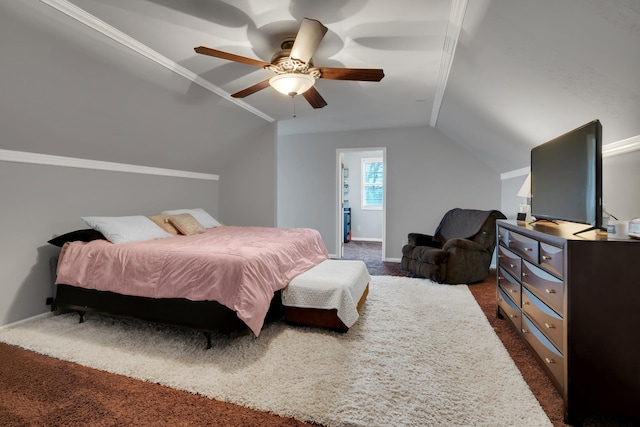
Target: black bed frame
point(205, 316)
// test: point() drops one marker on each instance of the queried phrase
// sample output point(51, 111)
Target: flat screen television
point(566, 177)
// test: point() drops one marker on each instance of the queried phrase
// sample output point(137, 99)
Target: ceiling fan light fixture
point(292, 84)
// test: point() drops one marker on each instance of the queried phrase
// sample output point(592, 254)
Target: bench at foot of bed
point(328, 295)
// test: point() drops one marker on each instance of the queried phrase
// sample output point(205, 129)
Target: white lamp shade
point(292, 83)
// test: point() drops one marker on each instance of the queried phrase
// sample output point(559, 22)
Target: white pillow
point(200, 214)
point(125, 229)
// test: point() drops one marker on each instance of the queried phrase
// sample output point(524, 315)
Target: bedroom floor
point(371, 254)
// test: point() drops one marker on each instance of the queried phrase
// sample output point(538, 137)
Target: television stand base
point(552, 221)
point(588, 229)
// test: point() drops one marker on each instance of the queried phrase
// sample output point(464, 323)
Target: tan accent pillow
point(162, 221)
point(186, 224)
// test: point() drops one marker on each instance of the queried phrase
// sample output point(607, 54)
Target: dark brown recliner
point(460, 251)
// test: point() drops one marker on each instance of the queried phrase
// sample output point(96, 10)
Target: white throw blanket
point(332, 284)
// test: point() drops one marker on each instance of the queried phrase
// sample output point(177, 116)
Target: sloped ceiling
point(67, 90)
point(497, 76)
point(528, 71)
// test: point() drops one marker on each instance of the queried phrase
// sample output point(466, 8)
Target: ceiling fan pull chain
point(293, 102)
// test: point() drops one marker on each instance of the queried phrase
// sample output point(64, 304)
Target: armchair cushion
point(417, 239)
point(430, 255)
point(466, 244)
point(460, 251)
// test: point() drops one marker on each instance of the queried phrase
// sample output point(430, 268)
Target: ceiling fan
point(295, 72)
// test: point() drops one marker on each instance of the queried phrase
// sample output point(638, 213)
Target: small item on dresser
point(617, 229)
point(634, 228)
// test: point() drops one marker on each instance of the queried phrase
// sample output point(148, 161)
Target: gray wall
point(365, 224)
point(40, 202)
point(621, 185)
point(248, 181)
point(69, 91)
point(427, 174)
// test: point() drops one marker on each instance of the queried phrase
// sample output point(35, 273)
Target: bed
point(225, 279)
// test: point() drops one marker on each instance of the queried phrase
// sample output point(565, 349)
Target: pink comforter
point(239, 267)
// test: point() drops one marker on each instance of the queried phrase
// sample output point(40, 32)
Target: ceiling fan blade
point(360, 74)
point(314, 98)
point(251, 89)
point(230, 56)
point(307, 40)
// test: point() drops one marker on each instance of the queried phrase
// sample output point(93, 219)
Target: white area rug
point(421, 354)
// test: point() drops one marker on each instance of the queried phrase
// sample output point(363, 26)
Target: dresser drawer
point(524, 246)
point(509, 309)
point(547, 320)
point(510, 261)
point(552, 259)
point(503, 236)
point(548, 288)
point(550, 356)
point(510, 286)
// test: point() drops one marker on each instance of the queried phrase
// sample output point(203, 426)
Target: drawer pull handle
point(513, 316)
point(524, 331)
point(510, 241)
point(548, 360)
point(512, 265)
point(549, 326)
point(524, 274)
point(546, 257)
point(528, 249)
point(550, 291)
point(525, 303)
point(513, 291)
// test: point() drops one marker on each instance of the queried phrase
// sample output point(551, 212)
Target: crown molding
point(74, 162)
point(454, 26)
point(621, 147)
point(118, 36)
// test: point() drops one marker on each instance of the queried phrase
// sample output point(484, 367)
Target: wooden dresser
point(575, 299)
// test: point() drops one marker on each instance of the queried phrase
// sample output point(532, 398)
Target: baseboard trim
point(366, 239)
point(28, 319)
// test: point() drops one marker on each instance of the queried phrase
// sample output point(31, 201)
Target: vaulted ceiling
point(496, 76)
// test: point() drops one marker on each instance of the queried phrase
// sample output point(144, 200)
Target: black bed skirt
point(208, 316)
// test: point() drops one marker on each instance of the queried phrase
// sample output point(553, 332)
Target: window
point(372, 183)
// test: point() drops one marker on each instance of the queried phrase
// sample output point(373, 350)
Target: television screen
point(566, 177)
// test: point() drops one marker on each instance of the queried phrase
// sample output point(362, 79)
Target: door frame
point(339, 197)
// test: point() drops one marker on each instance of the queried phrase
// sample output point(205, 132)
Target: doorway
point(361, 200)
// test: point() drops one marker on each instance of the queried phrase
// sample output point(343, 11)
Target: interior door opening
point(361, 202)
